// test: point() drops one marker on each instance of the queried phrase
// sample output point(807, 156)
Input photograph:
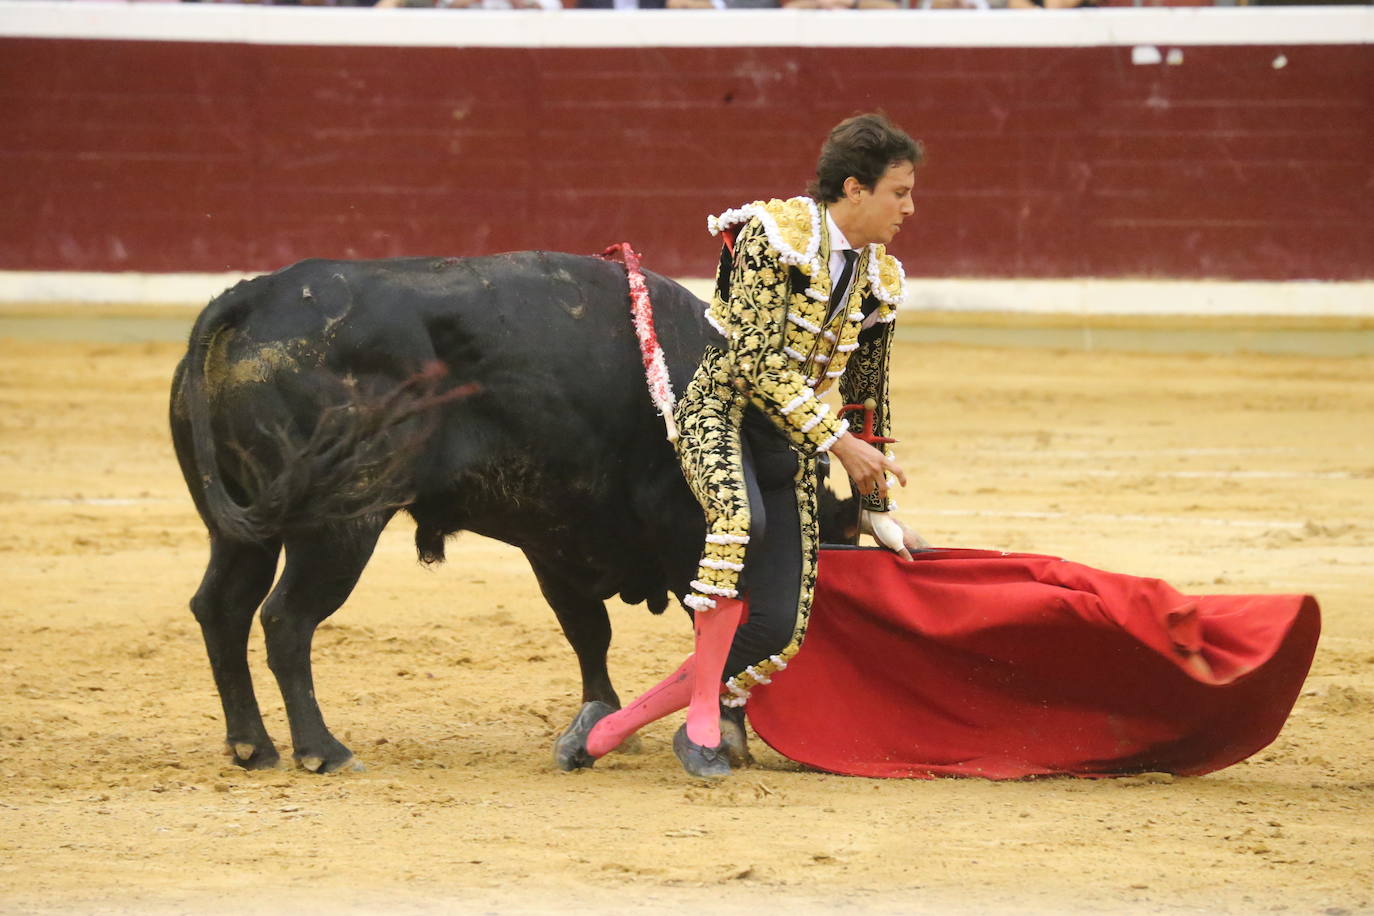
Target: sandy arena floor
point(1218, 473)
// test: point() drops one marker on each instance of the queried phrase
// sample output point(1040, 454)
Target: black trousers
point(771, 580)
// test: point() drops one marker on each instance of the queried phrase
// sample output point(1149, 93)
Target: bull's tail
point(223, 514)
point(357, 460)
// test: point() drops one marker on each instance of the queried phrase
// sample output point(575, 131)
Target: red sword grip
point(869, 408)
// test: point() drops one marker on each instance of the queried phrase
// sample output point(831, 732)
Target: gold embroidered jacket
point(771, 304)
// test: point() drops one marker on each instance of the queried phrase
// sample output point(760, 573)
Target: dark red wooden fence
point(1238, 162)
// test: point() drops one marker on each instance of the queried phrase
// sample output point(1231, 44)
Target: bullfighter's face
point(879, 211)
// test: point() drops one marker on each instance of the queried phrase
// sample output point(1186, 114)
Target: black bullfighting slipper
point(570, 750)
point(698, 760)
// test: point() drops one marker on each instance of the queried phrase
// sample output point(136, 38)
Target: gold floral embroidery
point(866, 377)
point(772, 305)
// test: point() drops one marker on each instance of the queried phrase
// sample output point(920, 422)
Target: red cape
point(979, 663)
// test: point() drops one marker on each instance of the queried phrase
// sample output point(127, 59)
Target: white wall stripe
point(1073, 297)
point(1089, 296)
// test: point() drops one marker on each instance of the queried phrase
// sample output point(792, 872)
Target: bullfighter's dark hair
point(864, 147)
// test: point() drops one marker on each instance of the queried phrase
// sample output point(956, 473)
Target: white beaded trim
point(721, 564)
point(825, 446)
point(820, 415)
point(848, 348)
point(829, 336)
point(799, 357)
point(708, 589)
point(806, 260)
point(875, 278)
point(816, 294)
point(796, 402)
point(699, 603)
point(822, 358)
point(711, 320)
point(836, 374)
point(801, 322)
point(758, 676)
point(741, 696)
point(727, 539)
point(856, 316)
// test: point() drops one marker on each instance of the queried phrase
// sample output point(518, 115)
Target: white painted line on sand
point(1205, 475)
point(1115, 453)
point(93, 500)
point(1110, 517)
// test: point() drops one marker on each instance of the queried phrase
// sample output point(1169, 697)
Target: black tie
point(842, 284)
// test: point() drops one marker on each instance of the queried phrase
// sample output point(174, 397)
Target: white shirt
point(838, 244)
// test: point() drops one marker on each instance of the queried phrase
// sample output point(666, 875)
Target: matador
point(805, 298)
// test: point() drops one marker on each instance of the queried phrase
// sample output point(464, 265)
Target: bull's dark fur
point(502, 395)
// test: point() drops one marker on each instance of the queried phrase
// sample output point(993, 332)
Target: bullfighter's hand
point(888, 531)
point(912, 540)
point(866, 466)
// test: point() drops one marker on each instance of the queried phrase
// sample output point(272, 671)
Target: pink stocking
point(668, 696)
point(715, 631)
point(696, 682)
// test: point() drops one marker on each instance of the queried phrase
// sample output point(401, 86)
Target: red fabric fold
point(978, 663)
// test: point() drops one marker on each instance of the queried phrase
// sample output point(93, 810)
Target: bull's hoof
point(735, 741)
point(570, 750)
point(631, 745)
point(252, 756)
point(698, 760)
point(335, 758)
point(349, 764)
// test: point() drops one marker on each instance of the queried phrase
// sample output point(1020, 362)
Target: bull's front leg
point(587, 626)
point(734, 737)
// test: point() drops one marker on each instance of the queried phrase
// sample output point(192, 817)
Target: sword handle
point(870, 408)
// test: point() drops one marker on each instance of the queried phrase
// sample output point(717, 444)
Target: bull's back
point(548, 338)
point(536, 311)
point(548, 312)
point(545, 340)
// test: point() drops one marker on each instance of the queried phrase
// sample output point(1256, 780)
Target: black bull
point(309, 409)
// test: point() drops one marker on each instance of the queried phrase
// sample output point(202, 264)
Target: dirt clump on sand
point(1217, 473)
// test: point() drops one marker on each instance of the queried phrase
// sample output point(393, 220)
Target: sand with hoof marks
point(1218, 473)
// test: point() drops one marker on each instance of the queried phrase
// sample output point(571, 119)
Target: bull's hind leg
point(321, 569)
point(233, 586)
